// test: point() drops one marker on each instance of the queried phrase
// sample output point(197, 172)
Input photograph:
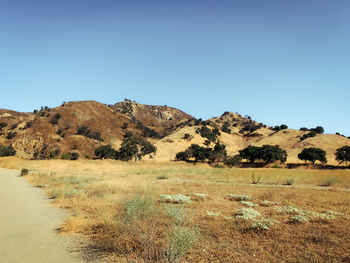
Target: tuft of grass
point(24, 171)
point(179, 214)
point(289, 181)
point(329, 181)
point(255, 179)
point(182, 240)
point(162, 177)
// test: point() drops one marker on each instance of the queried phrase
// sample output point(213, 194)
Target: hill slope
point(83, 126)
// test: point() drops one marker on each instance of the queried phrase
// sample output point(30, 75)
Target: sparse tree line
point(265, 154)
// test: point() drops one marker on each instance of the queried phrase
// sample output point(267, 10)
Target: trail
point(27, 225)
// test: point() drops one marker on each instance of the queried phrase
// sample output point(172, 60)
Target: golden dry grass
point(96, 198)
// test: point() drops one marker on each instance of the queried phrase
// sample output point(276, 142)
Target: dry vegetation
point(299, 215)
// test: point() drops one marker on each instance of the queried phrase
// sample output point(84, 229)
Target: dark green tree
point(270, 154)
point(105, 152)
point(251, 153)
point(342, 154)
point(7, 151)
point(135, 147)
point(232, 160)
point(312, 155)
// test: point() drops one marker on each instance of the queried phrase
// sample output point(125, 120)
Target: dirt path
point(27, 225)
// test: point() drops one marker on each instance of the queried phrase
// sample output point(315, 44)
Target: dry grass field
point(132, 212)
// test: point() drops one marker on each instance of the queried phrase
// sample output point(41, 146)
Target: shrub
point(182, 239)
point(162, 177)
point(85, 131)
point(313, 155)
point(298, 219)
point(249, 126)
point(183, 156)
point(60, 133)
point(187, 136)
point(237, 197)
point(7, 151)
point(10, 135)
point(208, 133)
point(2, 125)
point(14, 126)
point(289, 181)
point(54, 153)
point(28, 125)
point(55, 118)
point(206, 143)
point(329, 181)
point(225, 127)
point(233, 160)
point(255, 180)
point(125, 125)
point(70, 156)
point(281, 127)
point(247, 213)
point(308, 135)
point(105, 152)
point(263, 224)
point(24, 171)
point(147, 132)
point(175, 199)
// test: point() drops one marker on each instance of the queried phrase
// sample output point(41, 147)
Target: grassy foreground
point(140, 212)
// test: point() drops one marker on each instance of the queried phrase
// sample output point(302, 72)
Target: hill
point(82, 126)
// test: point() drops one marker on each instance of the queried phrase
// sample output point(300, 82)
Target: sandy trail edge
point(27, 225)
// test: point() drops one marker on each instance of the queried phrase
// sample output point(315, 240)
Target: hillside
point(83, 126)
point(161, 119)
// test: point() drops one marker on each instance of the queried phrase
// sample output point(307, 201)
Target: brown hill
point(49, 130)
point(85, 125)
point(161, 119)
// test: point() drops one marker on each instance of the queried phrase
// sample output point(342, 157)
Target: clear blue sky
point(277, 61)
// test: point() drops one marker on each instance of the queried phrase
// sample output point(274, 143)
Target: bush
point(85, 131)
point(28, 125)
point(342, 154)
point(329, 181)
point(183, 156)
point(281, 127)
point(10, 135)
point(308, 135)
point(2, 125)
point(225, 127)
point(232, 160)
point(24, 171)
point(70, 156)
point(255, 179)
point(55, 118)
point(162, 177)
point(105, 152)
point(7, 151)
point(54, 153)
point(206, 143)
point(289, 181)
point(182, 239)
point(187, 136)
point(313, 155)
point(208, 133)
